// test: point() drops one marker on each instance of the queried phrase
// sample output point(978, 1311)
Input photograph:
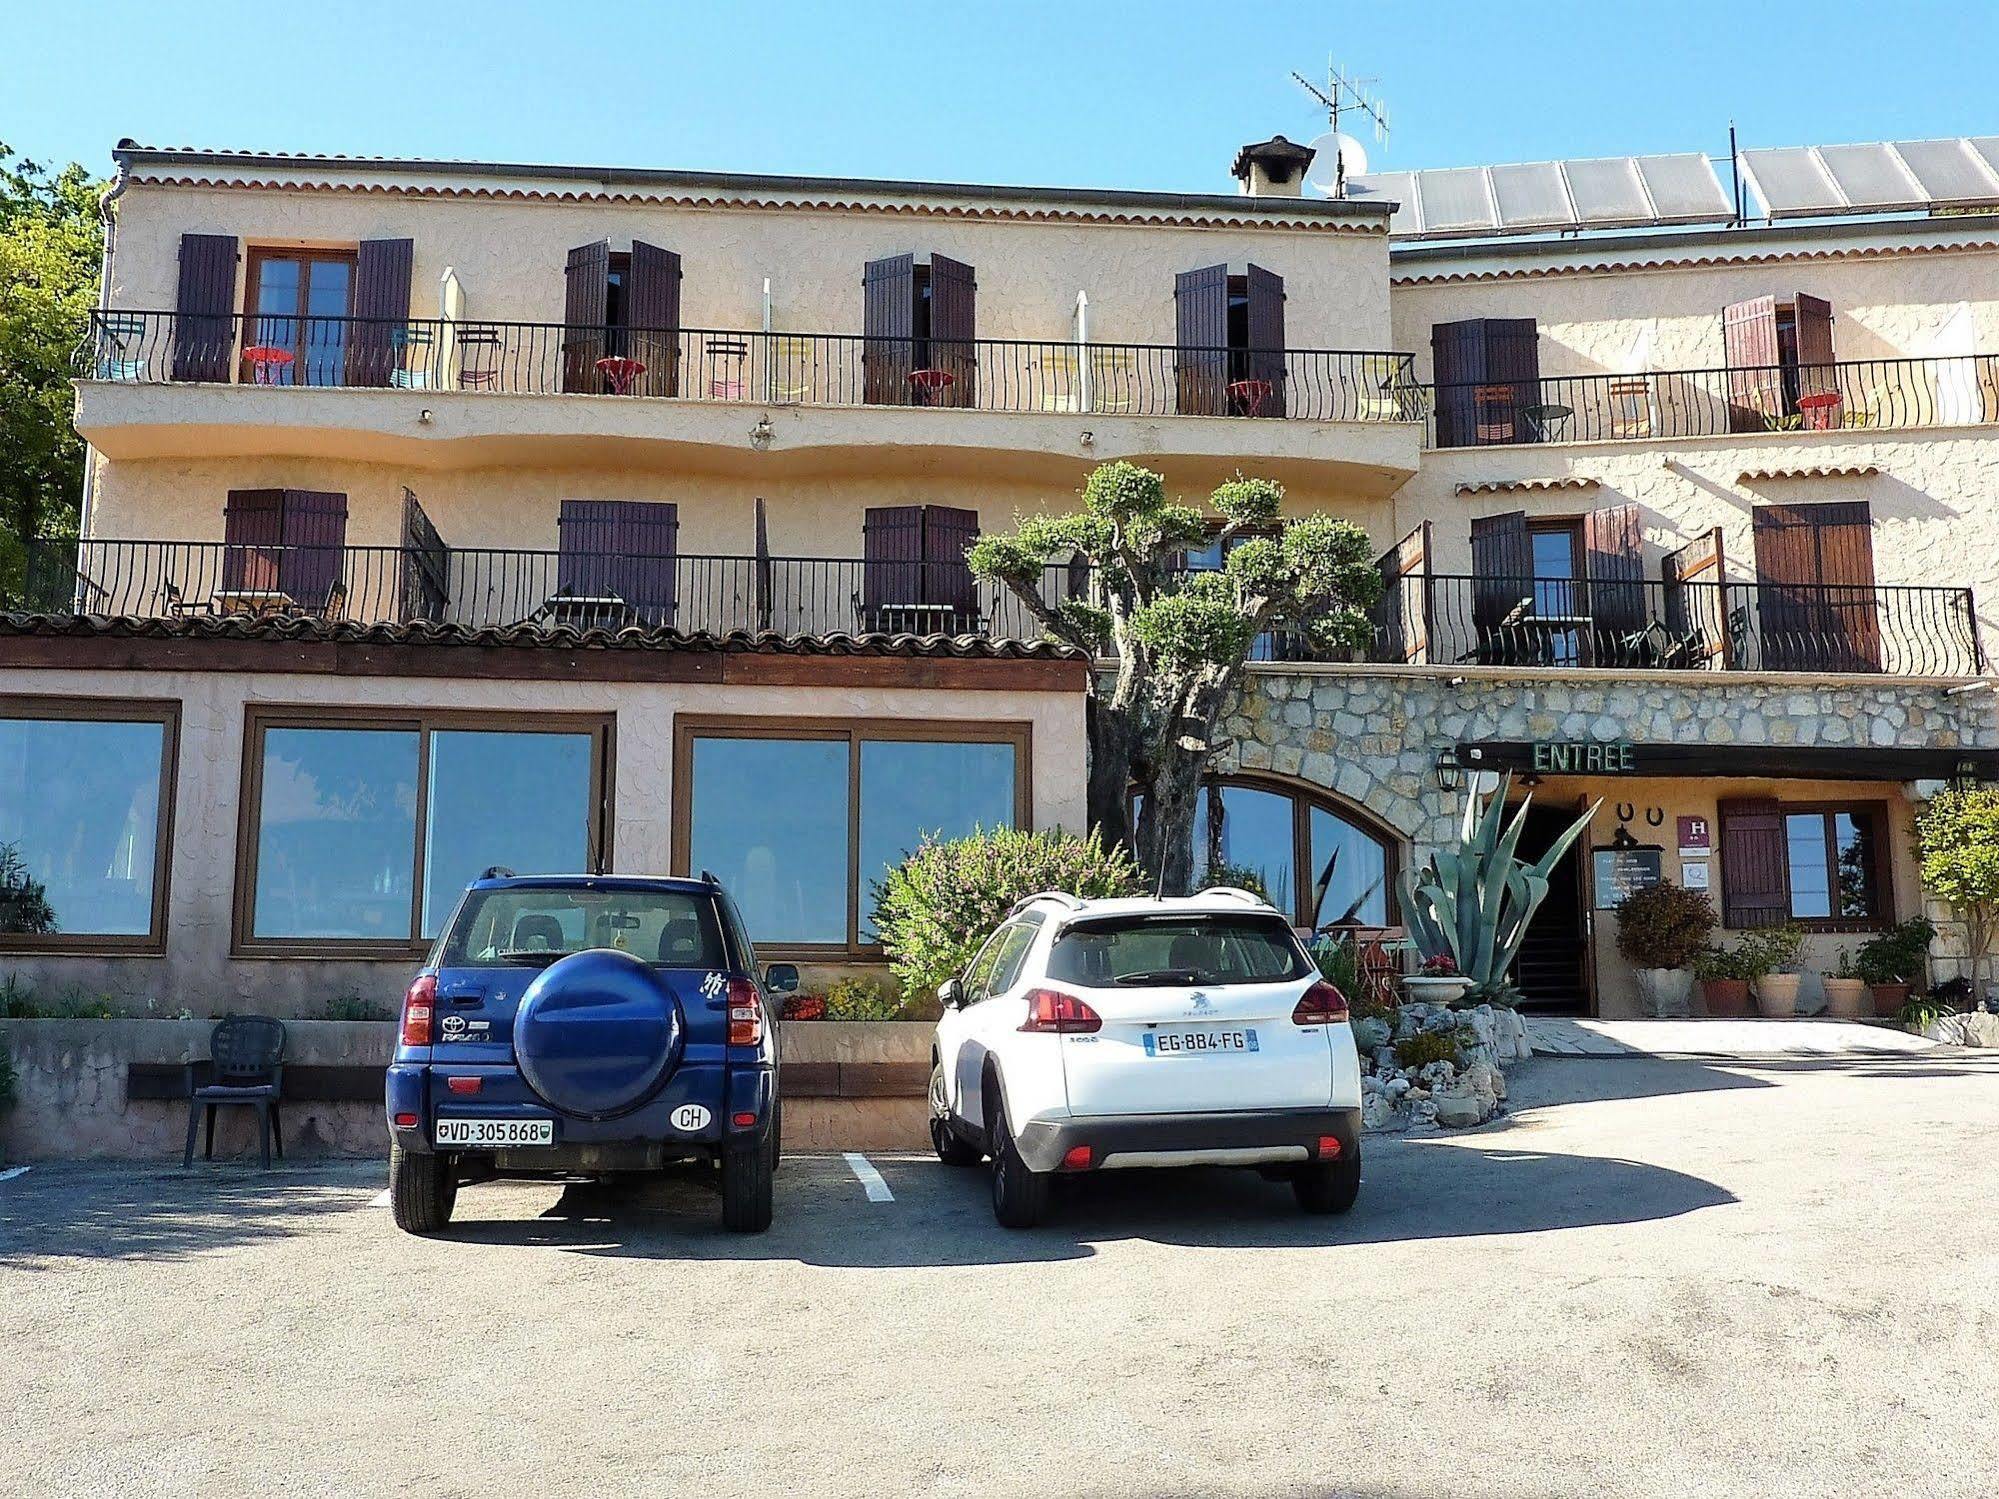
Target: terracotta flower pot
point(1888, 998)
point(1777, 995)
point(1846, 998)
point(1725, 996)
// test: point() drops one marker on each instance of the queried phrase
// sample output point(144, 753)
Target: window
point(535, 927)
point(1556, 551)
point(1820, 865)
point(366, 829)
point(800, 819)
point(1834, 874)
point(298, 303)
point(85, 812)
point(1135, 951)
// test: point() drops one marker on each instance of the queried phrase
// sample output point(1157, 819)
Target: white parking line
point(11, 1172)
point(870, 1178)
point(380, 1199)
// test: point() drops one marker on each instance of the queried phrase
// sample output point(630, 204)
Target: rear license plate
point(503, 1132)
point(1198, 1043)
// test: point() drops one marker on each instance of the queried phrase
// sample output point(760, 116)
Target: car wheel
point(951, 1150)
point(1020, 1195)
point(746, 1186)
point(1329, 1187)
point(422, 1190)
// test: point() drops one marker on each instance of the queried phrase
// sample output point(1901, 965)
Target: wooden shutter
point(315, 535)
point(204, 307)
point(1614, 563)
point(1755, 864)
point(1749, 348)
point(253, 537)
point(585, 306)
point(1266, 335)
point(947, 532)
point(888, 325)
point(1696, 606)
point(1817, 606)
point(652, 318)
point(1812, 324)
point(624, 549)
point(1201, 337)
point(1513, 361)
point(1457, 367)
point(892, 545)
point(1502, 564)
point(377, 339)
point(954, 327)
point(424, 564)
point(1402, 618)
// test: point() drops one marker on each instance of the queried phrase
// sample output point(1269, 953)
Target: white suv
point(1094, 1035)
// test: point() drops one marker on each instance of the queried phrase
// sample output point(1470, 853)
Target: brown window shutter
point(623, 549)
point(954, 328)
point(652, 318)
point(1614, 548)
point(1815, 595)
point(1502, 564)
point(424, 564)
point(1697, 612)
point(376, 343)
point(892, 546)
point(1812, 321)
point(888, 326)
point(1755, 864)
point(1513, 360)
point(1749, 349)
point(1402, 618)
point(1457, 365)
point(1201, 337)
point(253, 537)
point(947, 533)
point(315, 534)
point(1266, 335)
point(585, 305)
point(204, 307)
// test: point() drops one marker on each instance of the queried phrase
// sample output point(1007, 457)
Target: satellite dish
point(1336, 154)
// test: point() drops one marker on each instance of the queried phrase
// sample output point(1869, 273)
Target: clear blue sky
point(1144, 95)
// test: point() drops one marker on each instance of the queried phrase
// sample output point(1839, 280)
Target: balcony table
point(929, 384)
point(265, 360)
point(260, 603)
point(620, 373)
point(1550, 422)
point(920, 619)
point(1252, 395)
point(587, 611)
point(1820, 410)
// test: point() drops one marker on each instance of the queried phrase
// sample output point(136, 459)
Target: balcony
point(1433, 620)
point(1855, 396)
point(1073, 402)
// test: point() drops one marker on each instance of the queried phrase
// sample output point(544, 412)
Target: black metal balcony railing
point(1439, 620)
point(1857, 394)
point(697, 364)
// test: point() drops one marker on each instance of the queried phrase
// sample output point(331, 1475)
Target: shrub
point(1420, 1050)
point(354, 1007)
point(1663, 926)
point(859, 998)
point(1899, 955)
point(1775, 949)
point(24, 903)
point(936, 907)
point(1438, 966)
point(1712, 963)
point(19, 1001)
point(1240, 876)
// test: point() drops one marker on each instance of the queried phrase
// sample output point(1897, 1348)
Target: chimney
point(1272, 169)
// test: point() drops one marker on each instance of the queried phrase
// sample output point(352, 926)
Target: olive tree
point(1176, 641)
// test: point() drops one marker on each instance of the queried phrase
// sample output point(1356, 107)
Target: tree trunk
point(1171, 788)
point(1109, 785)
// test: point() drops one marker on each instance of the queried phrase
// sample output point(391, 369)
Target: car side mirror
point(781, 978)
point(951, 994)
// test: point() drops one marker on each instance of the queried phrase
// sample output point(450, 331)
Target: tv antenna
point(1344, 95)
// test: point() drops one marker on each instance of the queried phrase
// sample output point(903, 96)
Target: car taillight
point(1064, 1014)
point(746, 1014)
point(1322, 1004)
point(418, 1006)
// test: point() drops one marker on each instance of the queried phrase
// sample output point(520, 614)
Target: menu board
point(1620, 871)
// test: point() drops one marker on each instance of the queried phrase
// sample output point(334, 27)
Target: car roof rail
point(1236, 892)
point(498, 872)
point(1061, 897)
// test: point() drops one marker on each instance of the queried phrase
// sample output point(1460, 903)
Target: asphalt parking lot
point(1653, 1278)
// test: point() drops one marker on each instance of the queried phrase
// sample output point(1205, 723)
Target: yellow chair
point(1630, 406)
point(1385, 394)
point(1113, 381)
point(794, 369)
point(1057, 379)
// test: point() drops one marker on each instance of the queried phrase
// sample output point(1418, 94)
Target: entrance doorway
point(1553, 967)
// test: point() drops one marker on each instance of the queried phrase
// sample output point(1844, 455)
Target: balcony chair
point(1057, 379)
point(732, 357)
point(1631, 407)
point(418, 339)
point(246, 1066)
point(118, 334)
point(1113, 381)
point(478, 357)
point(794, 369)
point(1385, 394)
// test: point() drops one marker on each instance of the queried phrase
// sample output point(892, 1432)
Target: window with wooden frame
point(800, 817)
point(296, 307)
point(86, 823)
point(360, 828)
point(1814, 864)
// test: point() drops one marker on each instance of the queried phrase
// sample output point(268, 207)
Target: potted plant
point(1437, 982)
point(1660, 931)
point(1894, 962)
point(1845, 990)
point(1779, 950)
point(1725, 974)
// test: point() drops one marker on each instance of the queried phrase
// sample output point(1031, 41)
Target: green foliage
point(1918, 1013)
point(1473, 902)
point(1425, 1047)
point(24, 900)
point(8, 1086)
point(1773, 949)
point(19, 1001)
point(1845, 968)
point(935, 908)
point(1663, 926)
point(354, 1007)
point(859, 998)
point(1899, 955)
point(1242, 877)
point(1958, 833)
point(51, 247)
point(1739, 962)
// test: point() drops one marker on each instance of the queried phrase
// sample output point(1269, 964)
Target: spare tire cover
point(597, 1032)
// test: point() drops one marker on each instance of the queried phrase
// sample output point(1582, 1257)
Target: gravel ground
point(1665, 1278)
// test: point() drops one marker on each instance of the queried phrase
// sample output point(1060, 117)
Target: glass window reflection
point(1349, 873)
point(80, 822)
point(336, 833)
point(513, 799)
point(769, 818)
point(910, 789)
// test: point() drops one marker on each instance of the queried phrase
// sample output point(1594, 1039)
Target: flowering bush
point(1438, 966)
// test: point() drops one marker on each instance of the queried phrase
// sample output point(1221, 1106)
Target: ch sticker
point(713, 985)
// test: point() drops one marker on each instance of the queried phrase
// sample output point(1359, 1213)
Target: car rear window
point(535, 927)
point(1140, 950)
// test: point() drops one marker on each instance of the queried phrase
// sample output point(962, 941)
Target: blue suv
point(586, 1025)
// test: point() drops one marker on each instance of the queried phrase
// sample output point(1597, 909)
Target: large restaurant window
point(800, 819)
point(85, 814)
point(366, 829)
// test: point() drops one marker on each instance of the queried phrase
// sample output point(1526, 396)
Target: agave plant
point(1472, 903)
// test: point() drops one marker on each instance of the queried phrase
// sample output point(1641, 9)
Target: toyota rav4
point(584, 1026)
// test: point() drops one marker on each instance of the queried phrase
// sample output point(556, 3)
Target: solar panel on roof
point(1871, 177)
point(1987, 149)
point(1949, 171)
point(1456, 199)
point(1608, 192)
point(1398, 188)
point(1531, 196)
point(1685, 189)
point(1792, 182)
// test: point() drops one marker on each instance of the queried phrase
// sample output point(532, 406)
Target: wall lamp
point(1450, 770)
point(760, 434)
